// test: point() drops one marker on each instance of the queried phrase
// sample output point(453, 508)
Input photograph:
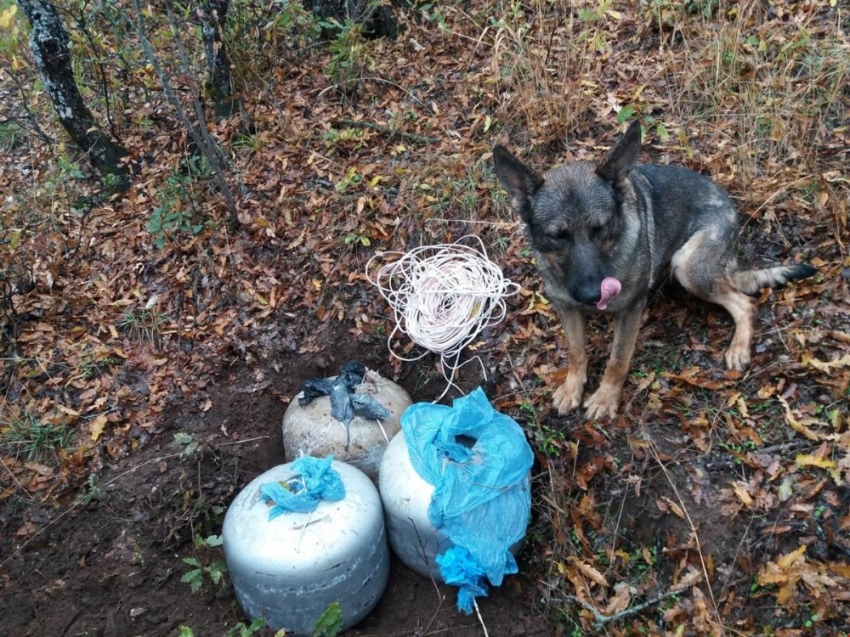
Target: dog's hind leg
point(568, 396)
point(605, 400)
point(697, 267)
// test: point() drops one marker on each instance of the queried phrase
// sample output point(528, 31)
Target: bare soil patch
point(113, 566)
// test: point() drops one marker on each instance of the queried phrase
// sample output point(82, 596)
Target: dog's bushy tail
point(751, 281)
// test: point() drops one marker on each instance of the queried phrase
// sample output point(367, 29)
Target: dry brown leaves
point(111, 330)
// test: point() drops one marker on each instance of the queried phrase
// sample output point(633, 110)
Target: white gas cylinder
point(311, 430)
point(289, 570)
point(406, 497)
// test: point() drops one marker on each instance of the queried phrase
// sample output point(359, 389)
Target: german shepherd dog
point(604, 233)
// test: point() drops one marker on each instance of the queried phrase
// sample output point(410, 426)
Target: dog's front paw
point(568, 396)
point(737, 357)
point(603, 403)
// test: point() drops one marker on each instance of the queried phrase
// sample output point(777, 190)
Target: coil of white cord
point(442, 297)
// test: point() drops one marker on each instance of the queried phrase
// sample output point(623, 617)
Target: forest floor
point(150, 348)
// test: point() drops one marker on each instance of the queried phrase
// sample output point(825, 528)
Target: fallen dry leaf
point(590, 572)
point(96, 427)
point(675, 508)
point(620, 600)
point(740, 490)
point(788, 559)
point(828, 366)
point(801, 425)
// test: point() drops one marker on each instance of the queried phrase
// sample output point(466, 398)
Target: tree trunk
point(218, 84)
point(378, 21)
point(49, 45)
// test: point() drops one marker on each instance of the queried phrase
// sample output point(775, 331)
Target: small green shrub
point(176, 215)
point(215, 570)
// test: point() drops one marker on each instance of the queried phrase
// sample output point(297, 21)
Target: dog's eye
point(597, 231)
point(563, 235)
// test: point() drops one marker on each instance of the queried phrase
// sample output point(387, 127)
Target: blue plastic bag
point(315, 481)
point(459, 568)
point(482, 495)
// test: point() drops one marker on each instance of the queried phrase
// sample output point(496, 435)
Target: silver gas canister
point(407, 497)
point(289, 570)
point(311, 429)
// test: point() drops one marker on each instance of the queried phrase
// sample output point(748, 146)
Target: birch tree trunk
point(49, 43)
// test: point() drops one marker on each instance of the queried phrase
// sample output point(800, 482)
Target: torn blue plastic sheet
point(482, 495)
point(459, 568)
point(314, 480)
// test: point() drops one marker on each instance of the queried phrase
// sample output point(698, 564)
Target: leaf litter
point(716, 503)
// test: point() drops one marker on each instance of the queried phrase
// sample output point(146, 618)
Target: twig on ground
point(497, 224)
point(693, 527)
point(380, 80)
point(391, 132)
point(726, 584)
point(481, 619)
point(240, 442)
point(417, 633)
point(77, 502)
point(794, 445)
point(424, 555)
point(30, 115)
point(786, 446)
point(14, 479)
point(600, 620)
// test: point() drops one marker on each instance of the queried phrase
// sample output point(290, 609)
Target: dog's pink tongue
point(610, 288)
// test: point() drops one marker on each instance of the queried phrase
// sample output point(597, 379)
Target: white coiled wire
point(442, 297)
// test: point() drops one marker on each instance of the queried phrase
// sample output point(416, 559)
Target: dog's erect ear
point(619, 161)
point(520, 182)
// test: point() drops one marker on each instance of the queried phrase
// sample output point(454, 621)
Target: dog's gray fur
point(633, 222)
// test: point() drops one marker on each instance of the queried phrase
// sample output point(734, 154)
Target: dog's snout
point(588, 291)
